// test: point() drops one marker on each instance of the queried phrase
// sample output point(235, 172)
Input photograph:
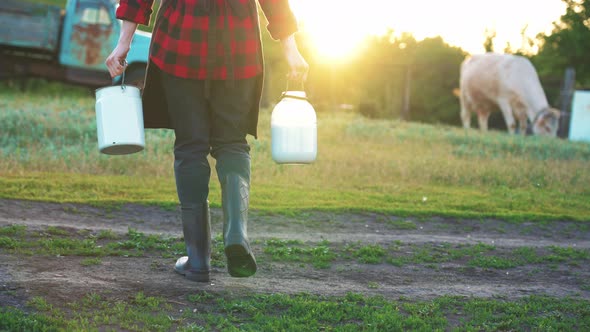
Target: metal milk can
point(119, 119)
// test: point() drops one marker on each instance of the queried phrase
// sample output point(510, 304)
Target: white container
point(294, 130)
point(580, 117)
point(119, 120)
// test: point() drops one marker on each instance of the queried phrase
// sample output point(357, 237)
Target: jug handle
point(299, 88)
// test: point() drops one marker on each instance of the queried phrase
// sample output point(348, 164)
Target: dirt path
point(62, 278)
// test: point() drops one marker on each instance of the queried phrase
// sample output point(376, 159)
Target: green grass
point(320, 255)
point(66, 242)
point(91, 261)
point(206, 311)
point(303, 312)
point(13, 230)
point(94, 247)
point(370, 254)
point(402, 224)
point(48, 152)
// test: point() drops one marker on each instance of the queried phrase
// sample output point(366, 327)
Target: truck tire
point(135, 76)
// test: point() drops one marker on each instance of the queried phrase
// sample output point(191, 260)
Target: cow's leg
point(482, 116)
point(465, 114)
point(508, 116)
point(522, 121)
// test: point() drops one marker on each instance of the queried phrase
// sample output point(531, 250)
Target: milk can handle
point(123, 87)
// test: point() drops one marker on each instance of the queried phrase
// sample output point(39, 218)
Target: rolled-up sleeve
point(138, 11)
point(281, 20)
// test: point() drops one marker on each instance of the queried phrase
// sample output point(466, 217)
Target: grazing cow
point(508, 82)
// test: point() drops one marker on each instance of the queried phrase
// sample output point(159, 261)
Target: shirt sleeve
point(281, 20)
point(138, 11)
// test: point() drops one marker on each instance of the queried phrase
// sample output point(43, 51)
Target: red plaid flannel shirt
point(181, 43)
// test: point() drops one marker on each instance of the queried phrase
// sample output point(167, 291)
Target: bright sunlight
point(337, 28)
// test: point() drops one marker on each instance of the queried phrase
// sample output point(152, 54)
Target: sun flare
point(337, 28)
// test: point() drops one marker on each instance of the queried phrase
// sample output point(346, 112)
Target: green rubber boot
point(196, 227)
point(235, 190)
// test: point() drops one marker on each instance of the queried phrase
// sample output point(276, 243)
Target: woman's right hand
point(116, 60)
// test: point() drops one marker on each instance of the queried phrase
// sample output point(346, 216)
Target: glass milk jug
point(294, 130)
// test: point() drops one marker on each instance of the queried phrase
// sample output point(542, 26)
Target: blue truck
point(69, 45)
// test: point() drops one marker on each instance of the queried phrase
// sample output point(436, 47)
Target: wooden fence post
point(565, 101)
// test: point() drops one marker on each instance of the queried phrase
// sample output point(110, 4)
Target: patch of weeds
point(13, 230)
point(437, 253)
point(569, 254)
point(84, 232)
point(278, 243)
point(425, 310)
point(319, 256)
point(141, 313)
point(105, 243)
point(107, 234)
point(68, 247)
point(12, 319)
point(217, 251)
point(554, 255)
point(372, 285)
point(471, 250)
point(148, 302)
point(402, 225)
point(71, 209)
point(492, 262)
point(370, 254)
point(192, 327)
point(527, 255)
point(535, 313)
point(397, 261)
point(141, 242)
point(500, 230)
point(9, 243)
point(40, 304)
point(91, 261)
point(341, 268)
point(305, 312)
point(92, 300)
point(53, 230)
point(200, 297)
point(428, 256)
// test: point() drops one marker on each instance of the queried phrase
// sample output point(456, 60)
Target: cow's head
point(546, 122)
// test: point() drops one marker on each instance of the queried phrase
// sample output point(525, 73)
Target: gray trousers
point(215, 124)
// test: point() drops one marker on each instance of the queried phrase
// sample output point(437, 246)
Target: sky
point(337, 27)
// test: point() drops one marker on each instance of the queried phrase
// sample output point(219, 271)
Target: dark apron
point(155, 107)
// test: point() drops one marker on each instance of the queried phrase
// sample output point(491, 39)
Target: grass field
point(49, 152)
point(404, 174)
